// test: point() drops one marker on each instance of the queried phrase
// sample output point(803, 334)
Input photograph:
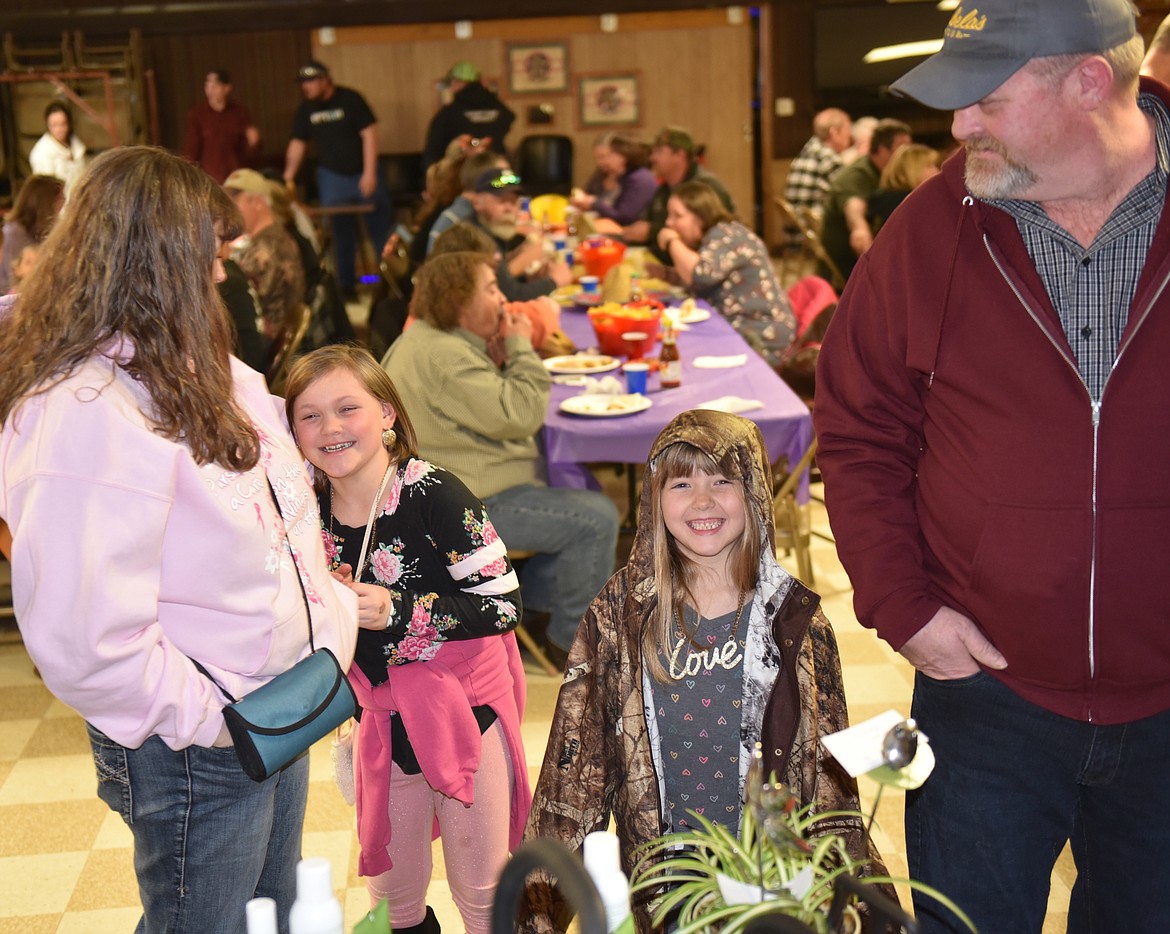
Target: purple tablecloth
point(572, 441)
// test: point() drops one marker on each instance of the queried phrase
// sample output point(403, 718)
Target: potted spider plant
point(781, 862)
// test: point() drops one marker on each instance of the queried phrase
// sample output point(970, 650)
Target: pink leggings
point(475, 840)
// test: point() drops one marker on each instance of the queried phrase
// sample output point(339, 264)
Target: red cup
point(638, 344)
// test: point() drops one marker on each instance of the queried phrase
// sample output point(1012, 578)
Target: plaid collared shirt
point(1092, 288)
point(810, 173)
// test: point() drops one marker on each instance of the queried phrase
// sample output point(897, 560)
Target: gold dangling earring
point(389, 436)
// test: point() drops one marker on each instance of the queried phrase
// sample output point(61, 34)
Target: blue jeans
point(206, 837)
point(1013, 783)
point(333, 189)
point(574, 535)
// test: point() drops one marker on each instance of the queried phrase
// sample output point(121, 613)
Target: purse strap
point(304, 595)
point(284, 532)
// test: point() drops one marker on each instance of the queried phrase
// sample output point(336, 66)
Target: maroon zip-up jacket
point(966, 465)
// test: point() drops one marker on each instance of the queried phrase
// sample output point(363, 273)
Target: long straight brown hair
point(132, 257)
point(673, 574)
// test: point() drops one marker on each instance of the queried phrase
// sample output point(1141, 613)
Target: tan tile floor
point(65, 860)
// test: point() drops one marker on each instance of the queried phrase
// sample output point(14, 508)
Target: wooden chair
point(545, 162)
point(287, 345)
point(810, 240)
point(791, 531)
point(523, 634)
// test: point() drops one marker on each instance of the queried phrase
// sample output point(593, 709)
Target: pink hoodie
point(129, 559)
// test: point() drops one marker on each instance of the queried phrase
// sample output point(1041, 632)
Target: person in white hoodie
point(161, 516)
point(58, 152)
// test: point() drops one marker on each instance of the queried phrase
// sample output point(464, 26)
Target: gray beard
point(503, 230)
point(1010, 180)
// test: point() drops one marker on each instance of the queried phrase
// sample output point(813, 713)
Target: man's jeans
point(574, 535)
point(1012, 783)
point(334, 189)
point(206, 837)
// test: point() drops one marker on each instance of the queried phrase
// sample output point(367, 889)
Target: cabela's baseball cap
point(247, 180)
point(988, 41)
point(498, 182)
point(311, 70)
point(464, 71)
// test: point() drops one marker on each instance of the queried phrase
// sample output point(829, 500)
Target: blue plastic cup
point(636, 376)
point(590, 285)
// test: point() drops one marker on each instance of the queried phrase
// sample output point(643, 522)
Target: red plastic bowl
point(611, 321)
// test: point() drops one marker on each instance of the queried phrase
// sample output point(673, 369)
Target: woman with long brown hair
point(32, 216)
point(720, 260)
point(161, 517)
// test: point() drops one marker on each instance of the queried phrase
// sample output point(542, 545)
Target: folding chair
point(792, 533)
point(810, 240)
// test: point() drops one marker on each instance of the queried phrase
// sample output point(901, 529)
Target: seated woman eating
point(719, 260)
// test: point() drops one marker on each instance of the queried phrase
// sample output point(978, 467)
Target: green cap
point(675, 138)
point(464, 71)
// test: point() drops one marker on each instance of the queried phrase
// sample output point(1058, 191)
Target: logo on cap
point(963, 24)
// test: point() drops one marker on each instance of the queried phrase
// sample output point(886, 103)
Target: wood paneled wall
point(695, 67)
point(263, 66)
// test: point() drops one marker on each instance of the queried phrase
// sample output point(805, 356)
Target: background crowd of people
point(990, 428)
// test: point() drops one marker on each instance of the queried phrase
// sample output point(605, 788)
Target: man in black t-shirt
point(344, 128)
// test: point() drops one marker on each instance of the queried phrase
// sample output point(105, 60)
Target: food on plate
point(600, 405)
point(621, 403)
point(586, 363)
point(581, 363)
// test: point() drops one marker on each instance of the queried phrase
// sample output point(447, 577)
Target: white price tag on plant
point(859, 748)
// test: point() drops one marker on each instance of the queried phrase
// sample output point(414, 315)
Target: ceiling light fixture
point(889, 53)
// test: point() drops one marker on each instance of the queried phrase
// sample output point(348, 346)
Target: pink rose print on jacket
point(489, 533)
point(390, 506)
point(415, 471)
point(386, 564)
point(422, 640)
point(416, 648)
point(497, 568)
point(420, 618)
point(332, 552)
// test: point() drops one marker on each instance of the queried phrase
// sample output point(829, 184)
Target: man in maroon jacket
point(221, 136)
point(993, 409)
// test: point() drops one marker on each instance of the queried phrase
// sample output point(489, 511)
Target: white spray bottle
point(316, 910)
point(602, 856)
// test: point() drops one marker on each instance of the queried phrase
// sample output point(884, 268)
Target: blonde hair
point(673, 572)
point(376, 381)
point(907, 166)
point(1124, 58)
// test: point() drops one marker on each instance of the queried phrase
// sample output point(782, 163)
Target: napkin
point(731, 404)
point(716, 363)
point(605, 386)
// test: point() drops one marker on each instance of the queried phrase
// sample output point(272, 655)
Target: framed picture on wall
point(537, 68)
point(609, 100)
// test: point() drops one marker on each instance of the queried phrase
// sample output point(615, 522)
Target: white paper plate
point(694, 316)
point(571, 296)
point(581, 364)
point(602, 406)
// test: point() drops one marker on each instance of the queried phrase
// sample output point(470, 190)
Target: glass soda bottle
point(669, 361)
